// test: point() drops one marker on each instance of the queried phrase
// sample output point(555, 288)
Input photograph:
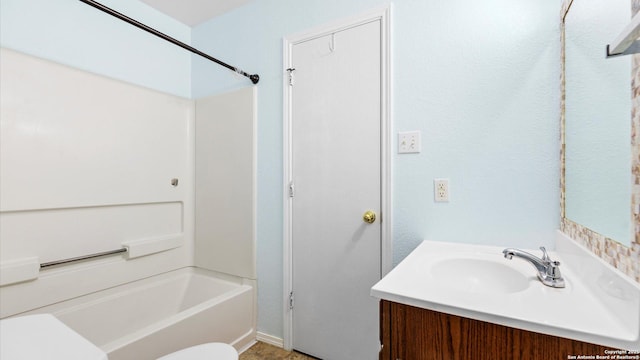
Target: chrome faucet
point(548, 270)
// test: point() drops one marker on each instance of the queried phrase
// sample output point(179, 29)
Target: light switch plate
point(409, 142)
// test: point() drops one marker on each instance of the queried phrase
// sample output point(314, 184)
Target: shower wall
point(225, 182)
point(87, 164)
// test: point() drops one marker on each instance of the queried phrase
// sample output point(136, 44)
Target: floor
point(263, 351)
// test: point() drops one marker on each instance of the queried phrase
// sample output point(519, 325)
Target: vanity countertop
point(598, 305)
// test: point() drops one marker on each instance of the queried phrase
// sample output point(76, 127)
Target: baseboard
point(269, 339)
point(246, 347)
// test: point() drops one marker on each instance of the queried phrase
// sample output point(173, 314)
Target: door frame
point(383, 14)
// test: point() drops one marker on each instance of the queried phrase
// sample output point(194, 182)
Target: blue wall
point(480, 79)
point(76, 34)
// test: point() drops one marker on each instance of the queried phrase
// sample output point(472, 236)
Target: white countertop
point(604, 309)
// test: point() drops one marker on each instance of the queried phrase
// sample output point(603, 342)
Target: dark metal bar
point(80, 258)
point(254, 78)
point(634, 48)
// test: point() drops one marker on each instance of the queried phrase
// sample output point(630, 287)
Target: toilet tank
point(43, 336)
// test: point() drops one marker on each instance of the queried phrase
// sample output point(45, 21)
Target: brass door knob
point(369, 217)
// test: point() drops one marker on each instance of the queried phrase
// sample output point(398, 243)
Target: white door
point(336, 172)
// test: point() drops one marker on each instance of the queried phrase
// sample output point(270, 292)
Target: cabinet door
point(410, 333)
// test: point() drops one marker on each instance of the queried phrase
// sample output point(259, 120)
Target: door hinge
point(291, 77)
point(292, 189)
point(291, 300)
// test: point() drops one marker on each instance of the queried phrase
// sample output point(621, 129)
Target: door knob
point(369, 217)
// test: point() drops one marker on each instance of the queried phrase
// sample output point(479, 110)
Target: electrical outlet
point(441, 190)
point(408, 142)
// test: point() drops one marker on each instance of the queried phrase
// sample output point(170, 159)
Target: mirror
point(598, 120)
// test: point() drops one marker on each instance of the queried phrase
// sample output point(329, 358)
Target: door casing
point(383, 14)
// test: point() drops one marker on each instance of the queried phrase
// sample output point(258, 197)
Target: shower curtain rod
point(254, 78)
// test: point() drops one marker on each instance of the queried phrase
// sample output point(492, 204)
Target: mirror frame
point(620, 256)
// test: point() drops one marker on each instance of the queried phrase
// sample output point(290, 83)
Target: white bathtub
point(148, 318)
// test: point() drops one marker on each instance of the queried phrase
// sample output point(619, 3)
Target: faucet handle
point(553, 271)
point(545, 255)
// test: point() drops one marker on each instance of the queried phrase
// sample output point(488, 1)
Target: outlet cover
point(409, 142)
point(441, 190)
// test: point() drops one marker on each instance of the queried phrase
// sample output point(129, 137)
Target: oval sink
point(479, 276)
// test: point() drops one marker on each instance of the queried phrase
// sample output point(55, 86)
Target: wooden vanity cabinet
point(411, 333)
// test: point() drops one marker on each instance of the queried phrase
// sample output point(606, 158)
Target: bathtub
point(152, 317)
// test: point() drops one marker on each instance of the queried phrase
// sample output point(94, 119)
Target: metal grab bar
point(80, 258)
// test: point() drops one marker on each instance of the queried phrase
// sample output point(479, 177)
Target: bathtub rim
point(57, 305)
point(241, 285)
point(177, 317)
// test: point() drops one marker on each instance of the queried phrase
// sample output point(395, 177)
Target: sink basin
point(479, 276)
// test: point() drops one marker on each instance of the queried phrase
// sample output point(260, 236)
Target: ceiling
point(194, 12)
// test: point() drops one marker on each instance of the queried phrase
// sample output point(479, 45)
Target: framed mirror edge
point(624, 258)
